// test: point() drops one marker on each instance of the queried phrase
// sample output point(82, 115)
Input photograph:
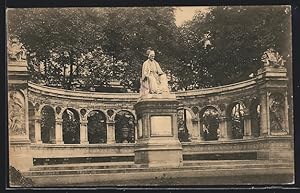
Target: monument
point(156, 109)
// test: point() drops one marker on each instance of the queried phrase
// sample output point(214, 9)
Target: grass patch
point(17, 179)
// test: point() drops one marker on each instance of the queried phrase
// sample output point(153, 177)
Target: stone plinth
point(20, 156)
point(277, 148)
point(158, 144)
point(272, 73)
point(17, 73)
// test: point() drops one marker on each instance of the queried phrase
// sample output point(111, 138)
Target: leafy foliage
point(239, 36)
point(237, 121)
point(96, 127)
point(130, 31)
point(56, 39)
point(71, 127)
point(95, 46)
point(210, 120)
point(47, 123)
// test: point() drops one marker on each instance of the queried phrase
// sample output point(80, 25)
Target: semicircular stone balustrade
point(244, 110)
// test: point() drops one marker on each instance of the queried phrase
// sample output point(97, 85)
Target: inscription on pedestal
point(161, 126)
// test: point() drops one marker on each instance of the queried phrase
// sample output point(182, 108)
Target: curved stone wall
point(243, 110)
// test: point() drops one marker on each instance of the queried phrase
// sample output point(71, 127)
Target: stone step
point(116, 165)
point(253, 176)
point(109, 158)
point(82, 166)
point(232, 155)
point(61, 160)
point(221, 162)
point(136, 168)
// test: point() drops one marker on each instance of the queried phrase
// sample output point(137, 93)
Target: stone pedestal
point(18, 123)
point(158, 144)
point(20, 155)
point(271, 81)
point(277, 148)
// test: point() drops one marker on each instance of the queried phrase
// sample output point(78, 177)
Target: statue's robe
point(153, 79)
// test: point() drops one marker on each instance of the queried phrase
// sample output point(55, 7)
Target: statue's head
point(151, 54)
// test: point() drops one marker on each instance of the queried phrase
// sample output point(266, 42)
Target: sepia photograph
point(161, 96)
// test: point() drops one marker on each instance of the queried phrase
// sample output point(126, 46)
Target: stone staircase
point(128, 173)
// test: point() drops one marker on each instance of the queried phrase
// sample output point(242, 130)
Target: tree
point(95, 46)
point(56, 38)
point(128, 33)
point(239, 36)
point(66, 42)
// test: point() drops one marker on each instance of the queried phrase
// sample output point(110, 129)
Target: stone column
point(37, 130)
point(58, 132)
point(110, 126)
point(264, 118)
point(224, 129)
point(83, 132)
point(200, 130)
point(247, 126)
point(195, 135)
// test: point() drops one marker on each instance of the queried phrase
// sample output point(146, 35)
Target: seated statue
point(154, 80)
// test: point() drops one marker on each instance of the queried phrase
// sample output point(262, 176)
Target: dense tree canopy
point(238, 36)
point(93, 47)
point(57, 39)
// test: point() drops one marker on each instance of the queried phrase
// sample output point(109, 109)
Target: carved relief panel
point(277, 113)
point(16, 113)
